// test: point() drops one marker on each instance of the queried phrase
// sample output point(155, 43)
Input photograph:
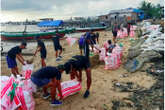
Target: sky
point(20, 10)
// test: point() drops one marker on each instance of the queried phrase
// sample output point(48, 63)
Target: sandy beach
point(102, 89)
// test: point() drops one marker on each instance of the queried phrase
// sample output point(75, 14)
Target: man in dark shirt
point(87, 41)
point(80, 43)
point(114, 32)
point(49, 77)
point(75, 65)
point(41, 47)
point(97, 37)
point(128, 28)
point(57, 46)
point(14, 53)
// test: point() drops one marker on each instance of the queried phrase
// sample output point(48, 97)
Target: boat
point(32, 35)
point(90, 28)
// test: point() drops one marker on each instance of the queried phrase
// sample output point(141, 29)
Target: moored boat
point(32, 35)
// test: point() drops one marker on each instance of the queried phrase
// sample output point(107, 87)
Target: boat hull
point(3, 37)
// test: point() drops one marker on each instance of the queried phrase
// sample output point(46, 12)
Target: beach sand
point(102, 91)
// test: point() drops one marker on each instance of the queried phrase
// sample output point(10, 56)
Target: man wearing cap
point(75, 65)
point(14, 53)
point(41, 47)
point(46, 77)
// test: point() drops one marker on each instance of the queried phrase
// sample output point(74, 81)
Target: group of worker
point(50, 76)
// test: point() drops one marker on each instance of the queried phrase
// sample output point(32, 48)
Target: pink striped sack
point(27, 85)
point(6, 104)
point(71, 40)
point(96, 49)
point(111, 62)
point(102, 54)
point(106, 45)
point(119, 33)
point(70, 87)
point(3, 81)
point(132, 33)
point(27, 101)
point(27, 70)
point(125, 33)
point(134, 28)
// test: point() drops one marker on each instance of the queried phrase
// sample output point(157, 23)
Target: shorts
point(40, 82)
point(83, 64)
point(11, 62)
point(114, 33)
point(58, 47)
point(43, 55)
point(80, 46)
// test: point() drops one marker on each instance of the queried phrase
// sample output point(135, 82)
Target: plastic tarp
point(55, 23)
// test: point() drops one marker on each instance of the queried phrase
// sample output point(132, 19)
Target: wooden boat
point(32, 35)
point(90, 28)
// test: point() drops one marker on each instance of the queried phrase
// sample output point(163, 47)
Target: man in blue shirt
point(75, 65)
point(57, 46)
point(14, 53)
point(87, 41)
point(41, 47)
point(49, 77)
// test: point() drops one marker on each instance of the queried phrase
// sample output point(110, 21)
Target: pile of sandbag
point(122, 33)
point(149, 46)
point(17, 93)
point(112, 60)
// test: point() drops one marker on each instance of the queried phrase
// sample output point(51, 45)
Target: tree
point(150, 10)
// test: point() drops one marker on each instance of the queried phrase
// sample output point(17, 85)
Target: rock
point(146, 48)
point(138, 62)
point(133, 53)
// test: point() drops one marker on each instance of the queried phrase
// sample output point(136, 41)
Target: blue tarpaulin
point(140, 13)
point(50, 23)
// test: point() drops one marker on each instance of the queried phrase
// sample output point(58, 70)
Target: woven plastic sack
point(28, 85)
point(111, 62)
point(70, 87)
point(102, 54)
point(27, 70)
point(71, 40)
point(27, 101)
point(132, 33)
point(6, 102)
point(3, 81)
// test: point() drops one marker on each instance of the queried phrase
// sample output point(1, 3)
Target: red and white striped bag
point(102, 54)
point(70, 87)
point(27, 70)
point(5, 98)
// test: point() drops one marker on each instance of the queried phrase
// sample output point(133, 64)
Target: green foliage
point(151, 10)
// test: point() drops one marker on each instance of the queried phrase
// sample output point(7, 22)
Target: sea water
point(7, 45)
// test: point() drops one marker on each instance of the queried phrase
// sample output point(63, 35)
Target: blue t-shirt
point(81, 41)
point(88, 35)
point(48, 72)
point(14, 51)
